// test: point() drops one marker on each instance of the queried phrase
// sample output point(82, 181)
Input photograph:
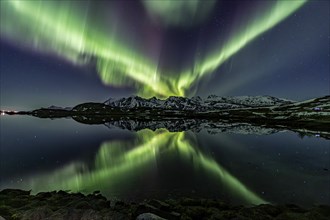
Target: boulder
point(149, 216)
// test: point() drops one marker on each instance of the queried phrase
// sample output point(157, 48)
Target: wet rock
point(149, 216)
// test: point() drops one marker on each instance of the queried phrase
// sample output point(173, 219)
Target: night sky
point(68, 52)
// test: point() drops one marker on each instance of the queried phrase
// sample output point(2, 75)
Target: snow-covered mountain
point(212, 102)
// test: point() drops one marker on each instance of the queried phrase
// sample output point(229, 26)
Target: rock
point(252, 213)
point(20, 204)
point(73, 214)
point(37, 214)
point(62, 193)
point(149, 216)
point(60, 214)
point(15, 192)
point(227, 214)
point(269, 209)
point(83, 205)
point(160, 205)
point(101, 204)
point(99, 196)
point(96, 192)
point(295, 208)
point(319, 212)
point(196, 212)
point(91, 215)
point(175, 215)
point(16, 202)
point(322, 209)
point(113, 215)
point(210, 203)
point(120, 205)
point(6, 211)
point(292, 216)
point(146, 208)
point(44, 195)
point(191, 202)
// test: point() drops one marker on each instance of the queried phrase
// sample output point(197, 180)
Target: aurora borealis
point(60, 60)
point(139, 54)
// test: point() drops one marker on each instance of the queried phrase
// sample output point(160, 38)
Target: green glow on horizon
point(70, 35)
point(122, 161)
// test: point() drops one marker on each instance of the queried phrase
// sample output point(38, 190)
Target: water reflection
point(45, 155)
point(121, 161)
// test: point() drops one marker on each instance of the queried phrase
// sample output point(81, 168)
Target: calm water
point(44, 154)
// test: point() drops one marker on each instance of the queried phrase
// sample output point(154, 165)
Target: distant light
point(2, 113)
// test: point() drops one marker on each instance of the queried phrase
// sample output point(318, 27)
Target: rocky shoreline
point(20, 204)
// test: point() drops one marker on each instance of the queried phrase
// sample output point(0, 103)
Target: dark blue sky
point(290, 61)
point(33, 80)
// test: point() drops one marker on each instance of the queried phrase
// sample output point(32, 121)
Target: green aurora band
point(117, 163)
point(68, 33)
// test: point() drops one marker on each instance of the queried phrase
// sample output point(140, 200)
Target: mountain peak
point(212, 102)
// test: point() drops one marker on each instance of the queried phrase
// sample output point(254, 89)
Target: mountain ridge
point(259, 114)
point(197, 103)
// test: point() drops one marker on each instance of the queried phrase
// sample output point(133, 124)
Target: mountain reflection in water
point(118, 161)
point(237, 164)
